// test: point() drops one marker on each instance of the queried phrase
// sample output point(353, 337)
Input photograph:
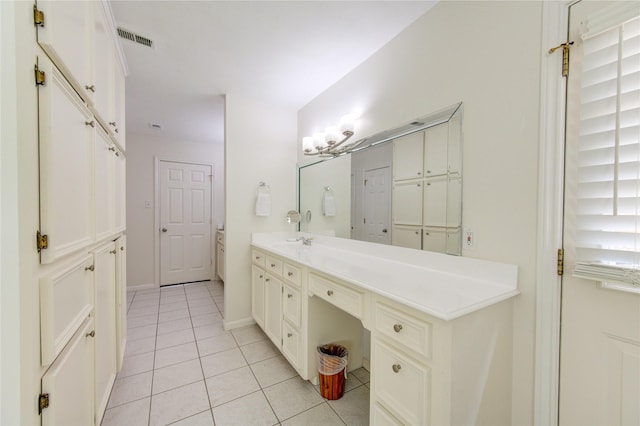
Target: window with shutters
point(608, 157)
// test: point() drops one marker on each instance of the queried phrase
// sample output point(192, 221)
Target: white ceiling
point(283, 52)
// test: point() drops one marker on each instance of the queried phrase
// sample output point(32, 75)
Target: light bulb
point(347, 124)
point(307, 144)
point(318, 140)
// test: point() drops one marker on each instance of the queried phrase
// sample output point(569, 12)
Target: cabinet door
point(408, 156)
point(434, 239)
point(435, 202)
point(117, 123)
point(407, 203)
point(105, 321)
point(291, 344)
point(102, 65)
point(454, 202)
point(121, 299)
point(435, 150)
point(66, 160)
point(119, 189)
point(257, 295)
point(103, 184)
point(273, 309)
point(291, 305)
point(66, 37)
point(454, 146)
point(69, 382)
point(454, 241)
point(406, 236)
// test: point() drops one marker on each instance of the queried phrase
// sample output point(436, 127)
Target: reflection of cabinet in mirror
point(427, 188)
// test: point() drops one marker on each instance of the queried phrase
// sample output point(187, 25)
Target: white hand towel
point(329, 205)
point(263, 204)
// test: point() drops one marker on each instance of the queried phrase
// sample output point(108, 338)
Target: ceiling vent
point(136, 38)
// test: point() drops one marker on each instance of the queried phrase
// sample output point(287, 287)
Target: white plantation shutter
point(608, 191)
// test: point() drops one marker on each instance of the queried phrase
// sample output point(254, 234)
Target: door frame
point(156, 213)
point(555, 27)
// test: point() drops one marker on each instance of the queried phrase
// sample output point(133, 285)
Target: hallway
point(181, 367)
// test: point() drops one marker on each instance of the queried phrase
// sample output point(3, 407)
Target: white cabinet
point(407, 203)
point(406, 236)
point(117, 123)
point(454, 201)
point(119, 188)
point(434, 239)
point(121, 299)
point(103, 185)
point(435, 202)
point(273, 308)
point(454, 146)
point(408, 156)
point(435, 150)
point(105, 324)
point(101, 91)
point(67, 131)
point(68, 384)
point(220, 254)
point(257, 295)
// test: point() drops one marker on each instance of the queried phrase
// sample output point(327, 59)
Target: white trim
point(550, 214)
point(113, 29)
point(140, 287)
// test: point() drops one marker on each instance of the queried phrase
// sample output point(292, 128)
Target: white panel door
point(69, 382)
point(67, 131)
point(105, 324)
point(600, 327)
point(185, 220)
point(377, 205)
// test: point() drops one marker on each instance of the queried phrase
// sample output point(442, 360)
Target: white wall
point(487, 55)
point(260, 145)
point(142, 151)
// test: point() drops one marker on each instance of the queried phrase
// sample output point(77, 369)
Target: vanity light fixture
point(331, 143)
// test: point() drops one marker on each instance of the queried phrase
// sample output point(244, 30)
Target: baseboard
point(366, 363)
point(141, 287)
point(230, 325)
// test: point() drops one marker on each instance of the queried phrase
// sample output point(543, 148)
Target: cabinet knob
point(290, 274)
point(122, 248)
point(92, 334)
point(397, 328)
point(289, 296)
point(113, 251)
point(112, 148)
point(273, 265)
point(396, 368)
point(112, 123)
point(428, 171)
point(267, 279)
point(89, 268)
point(91, 88)
point(289, 334)
point(329, 292)
point(384, 231)
point(260, 276)
point(90, 123)
point(417, 232)
point(419, 173)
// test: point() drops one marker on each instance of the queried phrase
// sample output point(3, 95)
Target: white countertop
point(440, 285)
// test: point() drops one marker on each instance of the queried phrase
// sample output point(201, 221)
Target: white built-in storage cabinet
point(80, 88)
point(424, 370)
point(427, 188)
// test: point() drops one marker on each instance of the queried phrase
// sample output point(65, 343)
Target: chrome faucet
point(307, 241)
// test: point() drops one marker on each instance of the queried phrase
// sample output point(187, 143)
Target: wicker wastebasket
point(332, 370)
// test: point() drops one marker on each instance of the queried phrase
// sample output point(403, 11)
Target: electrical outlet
point(147, 204)
point(469, 240)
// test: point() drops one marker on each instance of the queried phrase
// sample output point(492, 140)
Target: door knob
point(164, 229)
point(384, 230)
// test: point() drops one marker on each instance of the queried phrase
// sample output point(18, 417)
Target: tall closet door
point(103, 182)
point(66, 158)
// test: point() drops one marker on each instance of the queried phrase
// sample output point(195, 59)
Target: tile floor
point(182, 368)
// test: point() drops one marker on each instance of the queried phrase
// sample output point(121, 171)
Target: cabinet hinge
point(43, 402)
point(560, 261)
point(565, 56)
point(38, 16)
point(40, 77)
point(42, 241)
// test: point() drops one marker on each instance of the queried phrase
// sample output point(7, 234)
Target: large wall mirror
point(402, 187)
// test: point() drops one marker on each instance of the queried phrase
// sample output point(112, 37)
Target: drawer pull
point(396, 368)
point(92, 334)
point(267, 279)
point(289, 295)
point(113, 251)
point(329, 292)
point(273, 265)
point(289, 334)
point(91, 88)
point(290, 274)
point(397, 328)
point(257, 257)
point(89, 268)
point(260, 276)
point(90, 123)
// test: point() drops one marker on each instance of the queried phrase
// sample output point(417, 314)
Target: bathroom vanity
point(441, 333)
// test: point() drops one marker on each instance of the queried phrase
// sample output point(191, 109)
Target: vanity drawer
point(258, 257)
point(406, 330)
point(339, 295)
point(401, 385)
point(274, 265)
point(291, 306)
point(66, 300)
point(291, 274)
